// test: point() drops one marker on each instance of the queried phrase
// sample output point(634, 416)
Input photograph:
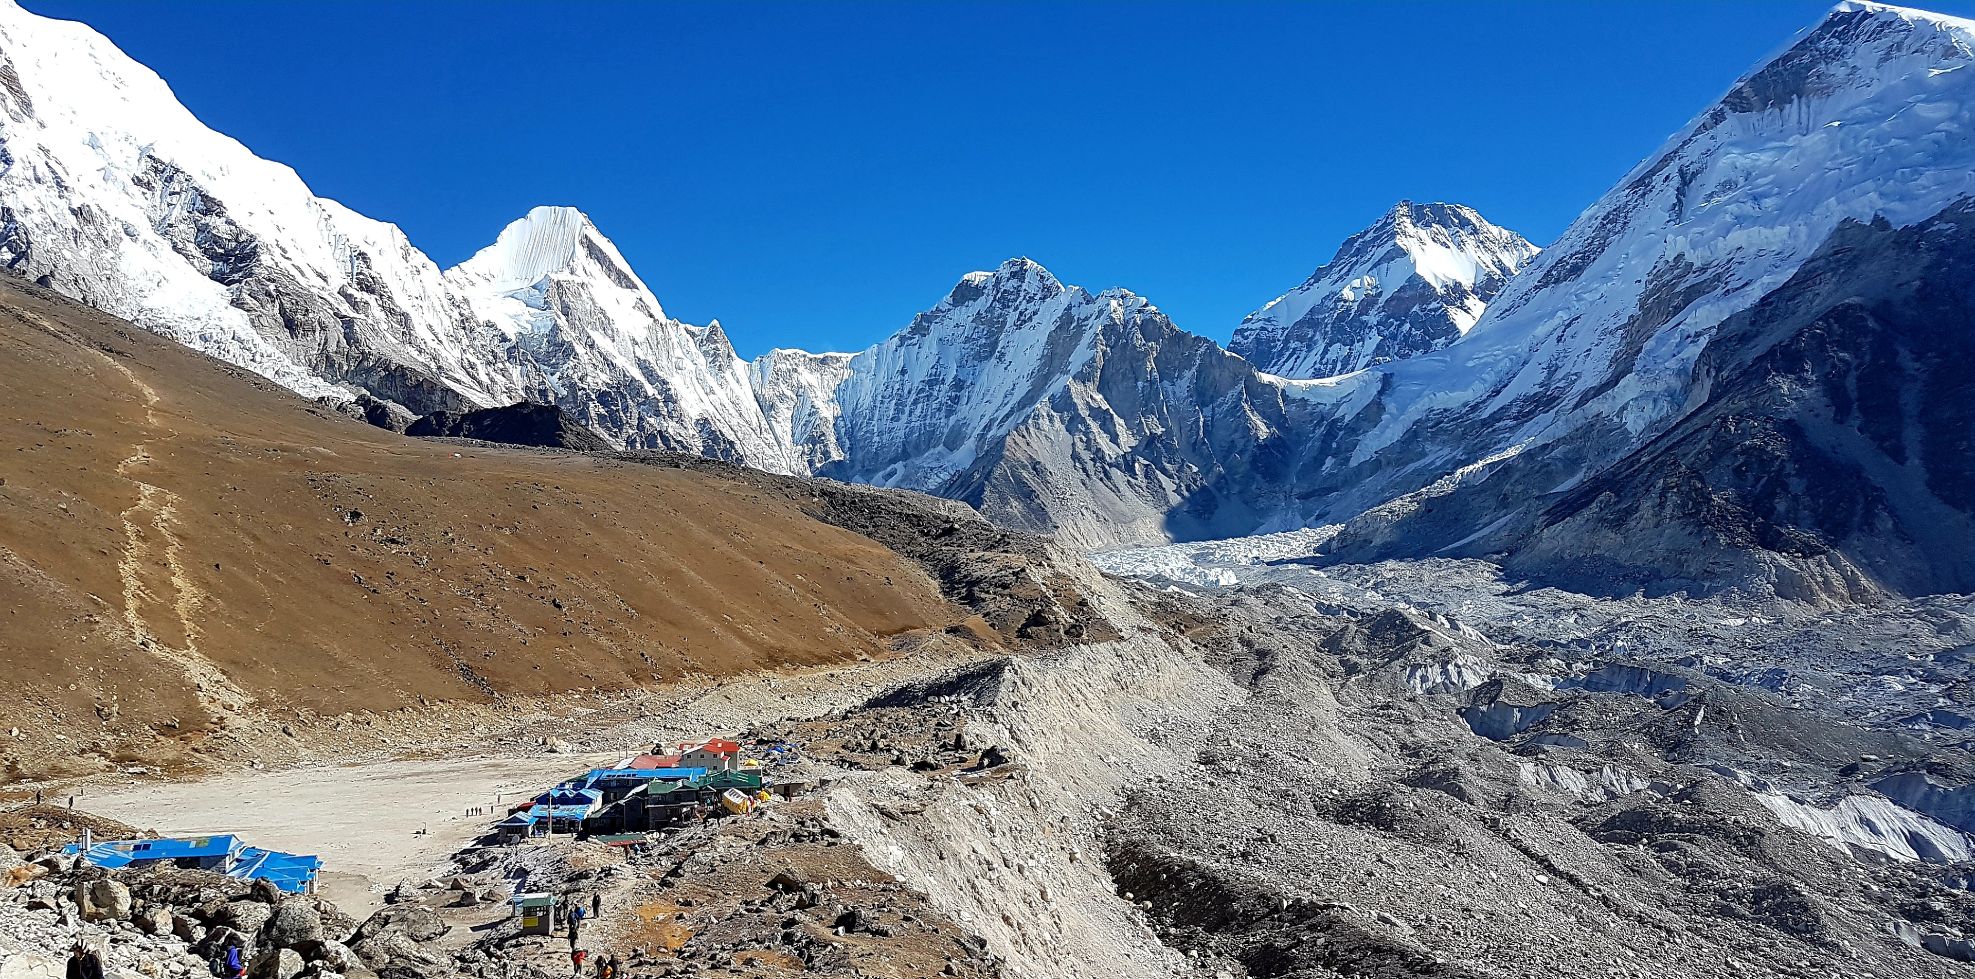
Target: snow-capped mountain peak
point(577, 326)
point(550, 241)
point(114, 192)
point(1414, 281)
point(1611, 341)
point(1017, 279)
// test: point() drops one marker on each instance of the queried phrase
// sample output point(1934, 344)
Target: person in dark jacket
point(84, 963)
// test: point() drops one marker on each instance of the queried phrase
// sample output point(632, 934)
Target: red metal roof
point(719, 746)
point(654, 761)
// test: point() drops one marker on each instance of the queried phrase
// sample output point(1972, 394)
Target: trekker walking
point(576, 961)
point(596, 905)
point(84, 963)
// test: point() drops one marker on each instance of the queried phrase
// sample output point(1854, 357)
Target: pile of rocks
point(172, 922)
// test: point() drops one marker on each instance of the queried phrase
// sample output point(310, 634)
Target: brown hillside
point(183, 544)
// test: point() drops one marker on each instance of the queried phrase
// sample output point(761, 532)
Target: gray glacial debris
point(1559, 833)
point(1497, 716)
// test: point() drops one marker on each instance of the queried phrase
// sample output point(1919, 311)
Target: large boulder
point(295, 922)
point(102, 899)
point(43, 895)
point(278, 963)
point(388, 415)
point(154, 920)
point(334, 921)
point(395, 952)
point(219, 938)
point(55, 863)
point(417, 922)
point(333, 955)
point(245, 917)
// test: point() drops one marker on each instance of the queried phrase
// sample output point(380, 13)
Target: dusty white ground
point(364, 820)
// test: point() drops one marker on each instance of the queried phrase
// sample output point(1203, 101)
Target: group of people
point(608, 966)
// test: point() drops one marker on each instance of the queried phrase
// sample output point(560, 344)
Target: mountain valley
point(1480, 609)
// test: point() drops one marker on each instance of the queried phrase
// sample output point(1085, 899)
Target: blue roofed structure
point(197, 852)
point(614, 784)
point(567, 796)
point(222, 854)
point(290, 872)
point(642, 774)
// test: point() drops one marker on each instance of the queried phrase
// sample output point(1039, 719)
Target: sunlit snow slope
point(1413, 282)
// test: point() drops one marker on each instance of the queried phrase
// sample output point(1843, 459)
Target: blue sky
point(813, 174)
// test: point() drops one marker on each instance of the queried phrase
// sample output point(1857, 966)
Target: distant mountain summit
point(1413, 282)
point(1089, 415)
point(1729, 299)
point(565, 321)
point(1438, 388)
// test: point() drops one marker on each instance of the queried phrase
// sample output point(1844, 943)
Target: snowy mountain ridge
point(1412, 283)
point(1601, 345)
point(579, 329)
point(1437, 387)
point(117, 195)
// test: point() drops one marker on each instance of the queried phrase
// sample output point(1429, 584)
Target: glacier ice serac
point(1425, 390)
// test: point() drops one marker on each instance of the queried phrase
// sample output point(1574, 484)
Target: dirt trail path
point(156, 587)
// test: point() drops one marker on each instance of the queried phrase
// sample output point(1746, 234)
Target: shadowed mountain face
point(1826, 456)
point(545, 426)
point(1834, 452)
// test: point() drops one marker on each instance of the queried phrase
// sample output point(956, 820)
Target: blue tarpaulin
point(577, 813)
